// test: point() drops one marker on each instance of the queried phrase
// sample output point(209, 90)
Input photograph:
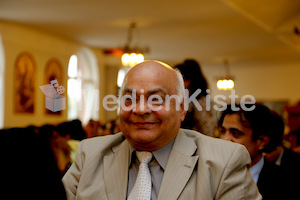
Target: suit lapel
point(179, 168)
point(116, 172)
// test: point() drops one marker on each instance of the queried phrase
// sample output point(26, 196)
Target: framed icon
point(53, 72)
point(24, 78)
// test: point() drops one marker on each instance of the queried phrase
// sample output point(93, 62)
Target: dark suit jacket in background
point(290, 161)
point(270, 182)
point(290, 168)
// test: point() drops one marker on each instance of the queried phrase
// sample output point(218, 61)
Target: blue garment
point(256, 169)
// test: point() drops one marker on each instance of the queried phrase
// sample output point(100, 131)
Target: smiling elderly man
point(152, 158)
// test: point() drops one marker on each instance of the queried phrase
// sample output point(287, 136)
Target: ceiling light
point(132, 55)
point(226, 82)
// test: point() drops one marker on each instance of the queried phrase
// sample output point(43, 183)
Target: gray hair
point(180, 86)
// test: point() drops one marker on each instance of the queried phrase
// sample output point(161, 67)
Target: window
point(2, 96)
point(74, 89)
point(83, 87)
point(121, 75)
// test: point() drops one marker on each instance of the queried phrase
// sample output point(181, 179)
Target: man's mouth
point(144, 125)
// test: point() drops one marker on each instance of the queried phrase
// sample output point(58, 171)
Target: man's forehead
point(153, 63)
point(152, 77)
point(234, 121)
point(147, 92)
point(151, 68)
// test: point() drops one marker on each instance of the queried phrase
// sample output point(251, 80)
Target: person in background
point(28, 167)
point(59, 146)
point(293, 138)
point(67, 137)
point(72, 128)
point(111, 127)
point(92, 129)
point(199, 120)
point(153, 152)
point(254, 129)
point(63, 140)
point(286, 159)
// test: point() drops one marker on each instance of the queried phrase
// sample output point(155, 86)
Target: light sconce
point(226, 82)
point(132, 55)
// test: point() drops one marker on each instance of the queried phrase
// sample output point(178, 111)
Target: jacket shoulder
point(223, 165)
point(209, 142)
point(215, 149)
point(101, 144)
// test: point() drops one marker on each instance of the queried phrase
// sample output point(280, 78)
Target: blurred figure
point(111, 127)
point(59, 146)
point(293, 116)
point(293, 138)
point(92, 129)
point(69, 134)
point(73, 128)
point(199, 120)
point(28, 167)
point(253, 129)
point(286, 159)
point(277, 133)
point(281, 156)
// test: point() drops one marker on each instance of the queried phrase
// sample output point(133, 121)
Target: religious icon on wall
point(53, 71)
point(24, 83)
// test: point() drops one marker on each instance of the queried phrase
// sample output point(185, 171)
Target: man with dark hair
point(293, 138)
point(253, 129)
point(286, 159)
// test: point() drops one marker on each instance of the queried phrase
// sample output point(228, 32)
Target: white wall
point(18, 38)
point(265, 83)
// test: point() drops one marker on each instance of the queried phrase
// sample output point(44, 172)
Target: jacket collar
point(181, 162)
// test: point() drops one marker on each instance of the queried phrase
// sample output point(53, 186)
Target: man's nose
point(142, 108)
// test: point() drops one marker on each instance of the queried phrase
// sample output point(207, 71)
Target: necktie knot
point(144, 156)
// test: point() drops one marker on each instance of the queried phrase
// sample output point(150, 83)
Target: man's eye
point(236, 133)
point(222, 131)
point(155, 99)
point(128, 101)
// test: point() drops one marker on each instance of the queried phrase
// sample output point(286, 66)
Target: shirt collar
point(161, 155)
point(278, 161)
point(256, 169)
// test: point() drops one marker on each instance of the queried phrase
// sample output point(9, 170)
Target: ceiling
point(256, 31)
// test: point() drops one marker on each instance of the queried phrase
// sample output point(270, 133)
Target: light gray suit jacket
point(199, 167)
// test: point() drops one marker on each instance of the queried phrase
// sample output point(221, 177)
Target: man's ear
point(263, 141)
point(183, 108)
point(187, 83)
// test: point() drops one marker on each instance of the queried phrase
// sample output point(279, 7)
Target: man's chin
point(143, 137)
